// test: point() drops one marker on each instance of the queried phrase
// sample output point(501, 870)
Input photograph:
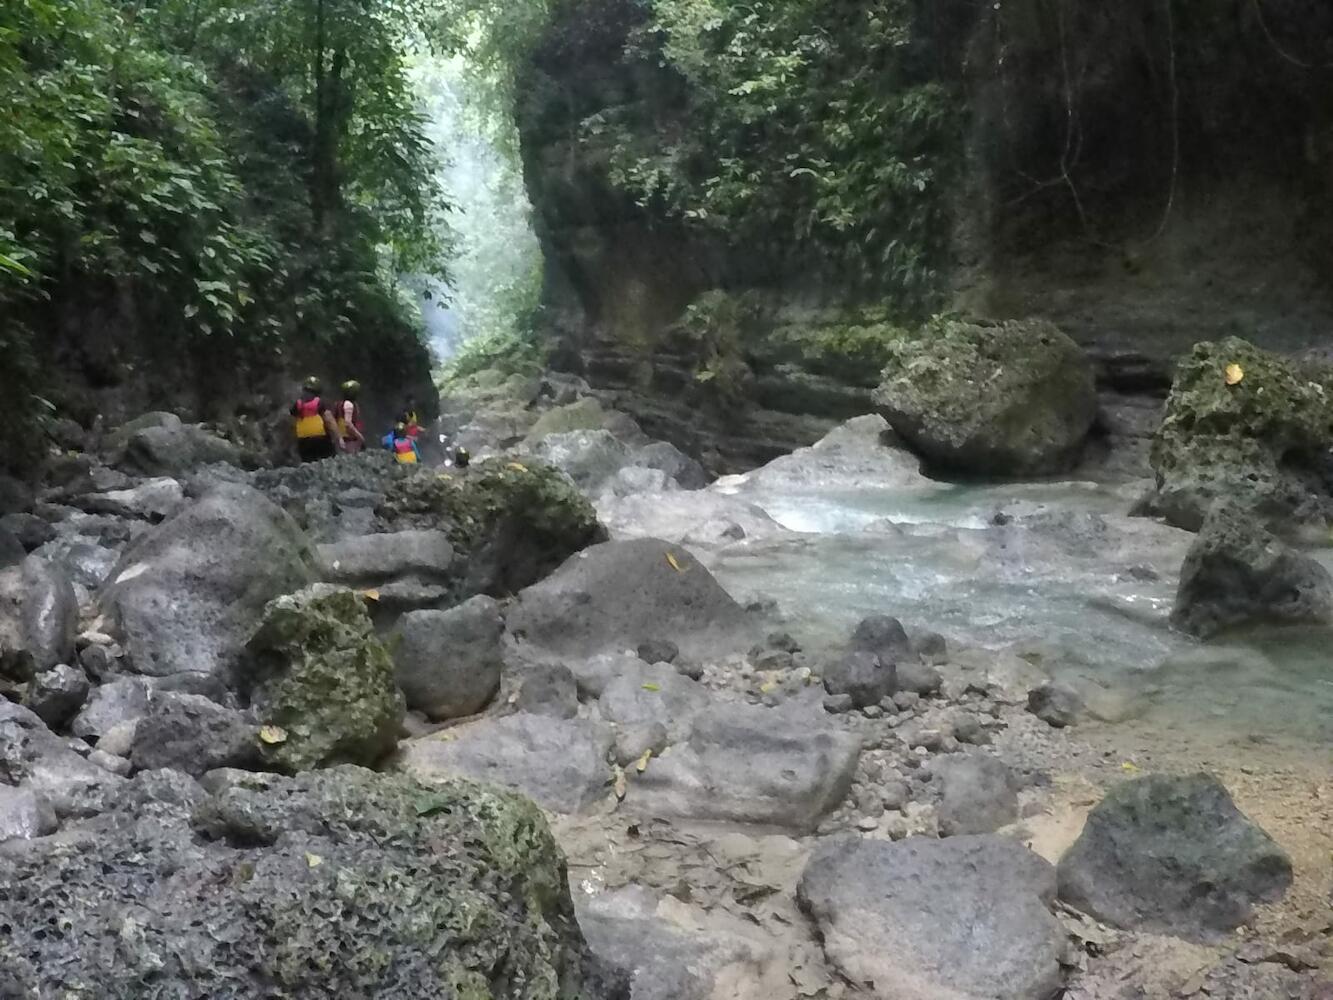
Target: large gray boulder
point(588, 457)
point(448, 663)
point(561, 764)
point(1237, 573)
point(38, 616)
point(34, 759)
point(1004, 399)
point(119, 702)
point(340, 883)
point(187, 595)
point(171, 447)
point(150, 501)
point(965, 918)
point(614, 596)
point(1172, 855)
point(677, 466)
point(371, 559)
point(859, 453)
point(746, 764)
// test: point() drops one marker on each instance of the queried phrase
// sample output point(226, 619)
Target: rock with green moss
point(315, 670)
point(1004, 399)
point(516, 521)
point(339, 883)
point(1257, 440)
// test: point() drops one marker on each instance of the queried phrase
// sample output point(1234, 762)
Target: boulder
point(979, 794)
point(549, 691)
point(116, 703)
point(883, 636)
point(515, 521)
point(677, 466)
point(1237, 573)
point(586, 414)
point(1056, 704)
point(1260, 443)
point(189, 733)
point(30, 531)
point(170, 449)
point(861, 452)
point(38, 615)
point(16, 496)
point(341, 883)
point(1004, 399)
point(589, 458)
point(187, 595)
point(315, 670)
point(151, 501)
point(87, 563)
point(1172, 855)
point(448, 663)
point(36, 760)
point(965, 918)
point(561, 764)
point(12, 550)
point(862, 677)
point(371, 559)
point(592, 674)
point(56, 694)
point(25, 815)
point(656, 693)
point(745, 764)
point(616, 595)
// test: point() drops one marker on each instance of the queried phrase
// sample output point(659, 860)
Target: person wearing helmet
point(316, 431)
point(402, 445)
point(350, 425)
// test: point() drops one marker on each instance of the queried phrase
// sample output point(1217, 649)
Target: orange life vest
point(309, 420)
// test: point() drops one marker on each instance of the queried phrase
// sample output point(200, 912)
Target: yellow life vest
point(309, 420)
point(404, 452)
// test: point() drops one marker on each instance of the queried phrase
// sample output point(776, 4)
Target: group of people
point(324, 429)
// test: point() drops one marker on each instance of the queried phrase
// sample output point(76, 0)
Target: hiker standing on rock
point(316, 431)
point(350, 425)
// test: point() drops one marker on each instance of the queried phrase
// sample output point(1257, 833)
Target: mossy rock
point(517, 521)
point(1259, 444)
point(997, 400)
point(854, 350)
point(335, 883)
point(315, 670)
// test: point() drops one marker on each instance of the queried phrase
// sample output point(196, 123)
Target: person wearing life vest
point(411, 419)
point(404, 449)
point(348, 414)
point(316, 431)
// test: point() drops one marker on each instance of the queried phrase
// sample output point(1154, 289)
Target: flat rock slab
point(561, 764)
point(1172, 854)
point(376, 558)
point(746, 764)
point(613, 596)
point(964, 918)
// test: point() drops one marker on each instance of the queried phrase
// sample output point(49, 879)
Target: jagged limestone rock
point(1004, 399)
point(315, 670)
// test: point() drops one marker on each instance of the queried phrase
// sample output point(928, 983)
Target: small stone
point(927, 739)
point(906, 701)
point(782, 641)
point(24, 814)
point(110, 762)
point(931, 647)
point(775, 660)
point(1056, 704)
point(867, 823)
point(689, 668)
point(862, 675)
point(922, 678)
point(837, 704)
point(868, 801)
point(873, 712)
point(56, 694)
point(633, 741)
point(119, 739)
point(99, 662)
point(967, 728)
point(658, 651)
point(550, 691)
point(894, 794)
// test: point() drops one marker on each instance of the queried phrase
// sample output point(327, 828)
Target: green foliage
point(506, 352)
point(808, 136)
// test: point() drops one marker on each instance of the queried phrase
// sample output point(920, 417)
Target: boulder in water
point(1237, 573)
point(187, 595)
point(1256, 436)
point(1172, 855)
point(964, 918)
point(337, 883)
point(448, 663)
point(315, 671)
point(1002, 399)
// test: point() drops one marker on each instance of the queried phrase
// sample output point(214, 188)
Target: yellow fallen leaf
point(518, 467)
point(674, 562)
point(443, 475)
point(620, 784)
point(641, 764)
point(313, 860)
point(1129, 766)
point(650, 686)
point(1234, 374)
point(272, 735)
point(371, 594)
point(768, 687)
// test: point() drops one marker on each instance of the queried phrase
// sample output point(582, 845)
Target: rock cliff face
point(1098, 208)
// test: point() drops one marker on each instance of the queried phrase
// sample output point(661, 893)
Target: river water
point(1054, 571)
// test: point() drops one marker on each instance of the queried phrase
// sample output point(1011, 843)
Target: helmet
point(312, 383)
point(351, 387)
point(400, 427)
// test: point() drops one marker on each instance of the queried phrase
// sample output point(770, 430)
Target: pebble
point(873, 712)
point(906, 701)
point(837, 704)
point(109, 762)
point(894, 794)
